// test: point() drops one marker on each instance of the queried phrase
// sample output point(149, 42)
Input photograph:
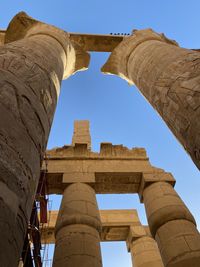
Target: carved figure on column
point(169, 78)
point(33, 61)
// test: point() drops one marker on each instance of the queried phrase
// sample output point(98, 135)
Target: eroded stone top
point(81, 133)
point(81, 146)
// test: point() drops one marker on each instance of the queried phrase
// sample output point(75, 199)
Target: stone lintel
point(116, 169)
point(119, 217)
point(149, 178)
point(78, 177)
point(102, 182)
point(116, 226)
point(93, 42)
point(97, 42)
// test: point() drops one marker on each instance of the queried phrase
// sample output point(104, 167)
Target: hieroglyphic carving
point(31, 70)
point(169, 77)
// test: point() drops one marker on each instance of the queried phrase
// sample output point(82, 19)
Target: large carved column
point(172, 225)
point(34, 60)
point(144, 249)
point(169, 78)
point(77, 229)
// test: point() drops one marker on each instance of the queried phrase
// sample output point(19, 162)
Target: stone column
point(143, 248)
point(172, 225)
point(33, 61)
point(77, 229)
point(145, 253)
point(169, 78)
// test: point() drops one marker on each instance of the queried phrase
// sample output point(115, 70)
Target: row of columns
point(171, 224)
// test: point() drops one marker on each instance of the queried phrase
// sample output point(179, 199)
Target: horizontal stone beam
point(114, 170)
point(115, 225)
point(102, 182)
point(90, 42)
point(97, 42)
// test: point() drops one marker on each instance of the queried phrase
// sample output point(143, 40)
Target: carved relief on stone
point(168, 76)
point(33, 61)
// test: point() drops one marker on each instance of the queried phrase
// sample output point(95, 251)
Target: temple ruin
point(34, 58)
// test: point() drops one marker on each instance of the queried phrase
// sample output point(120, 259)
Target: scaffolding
point(36, 254)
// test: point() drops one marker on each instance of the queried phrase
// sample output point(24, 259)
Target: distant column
point(145, 253)
point(172, 225)
point(169, 78)
point(77, 229)
point(143, 248)
point(33, 61)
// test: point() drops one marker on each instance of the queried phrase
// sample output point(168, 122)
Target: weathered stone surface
point(169, 77)
point(97, 42)
point(163, 204)
point(173, 226)
point(145, 253)
point(2, 36)
point(33, 62)
point(116, 169)
point(179, 243)
point(77, 229)
point(77, 245)
point(91, 42)
point(115, 226)
point(150, 178)
point(81, 134)
point(119, 170)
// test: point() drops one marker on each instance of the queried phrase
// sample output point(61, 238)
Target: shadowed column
point(33, 61)
point(169, 78)
point(77, 229)
point(172, 225)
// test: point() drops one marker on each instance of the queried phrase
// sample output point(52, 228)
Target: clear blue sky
point(117, 112)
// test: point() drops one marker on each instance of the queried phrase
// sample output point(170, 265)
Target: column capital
point(118, 59)
point(24, 26)
point(135, 232)
point(168, 77)
point(149, 178)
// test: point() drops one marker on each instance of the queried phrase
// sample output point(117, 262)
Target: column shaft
point(172, 225)
point(31, 70)
point(145, 253)
point(169, 78)
point(77, 229)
